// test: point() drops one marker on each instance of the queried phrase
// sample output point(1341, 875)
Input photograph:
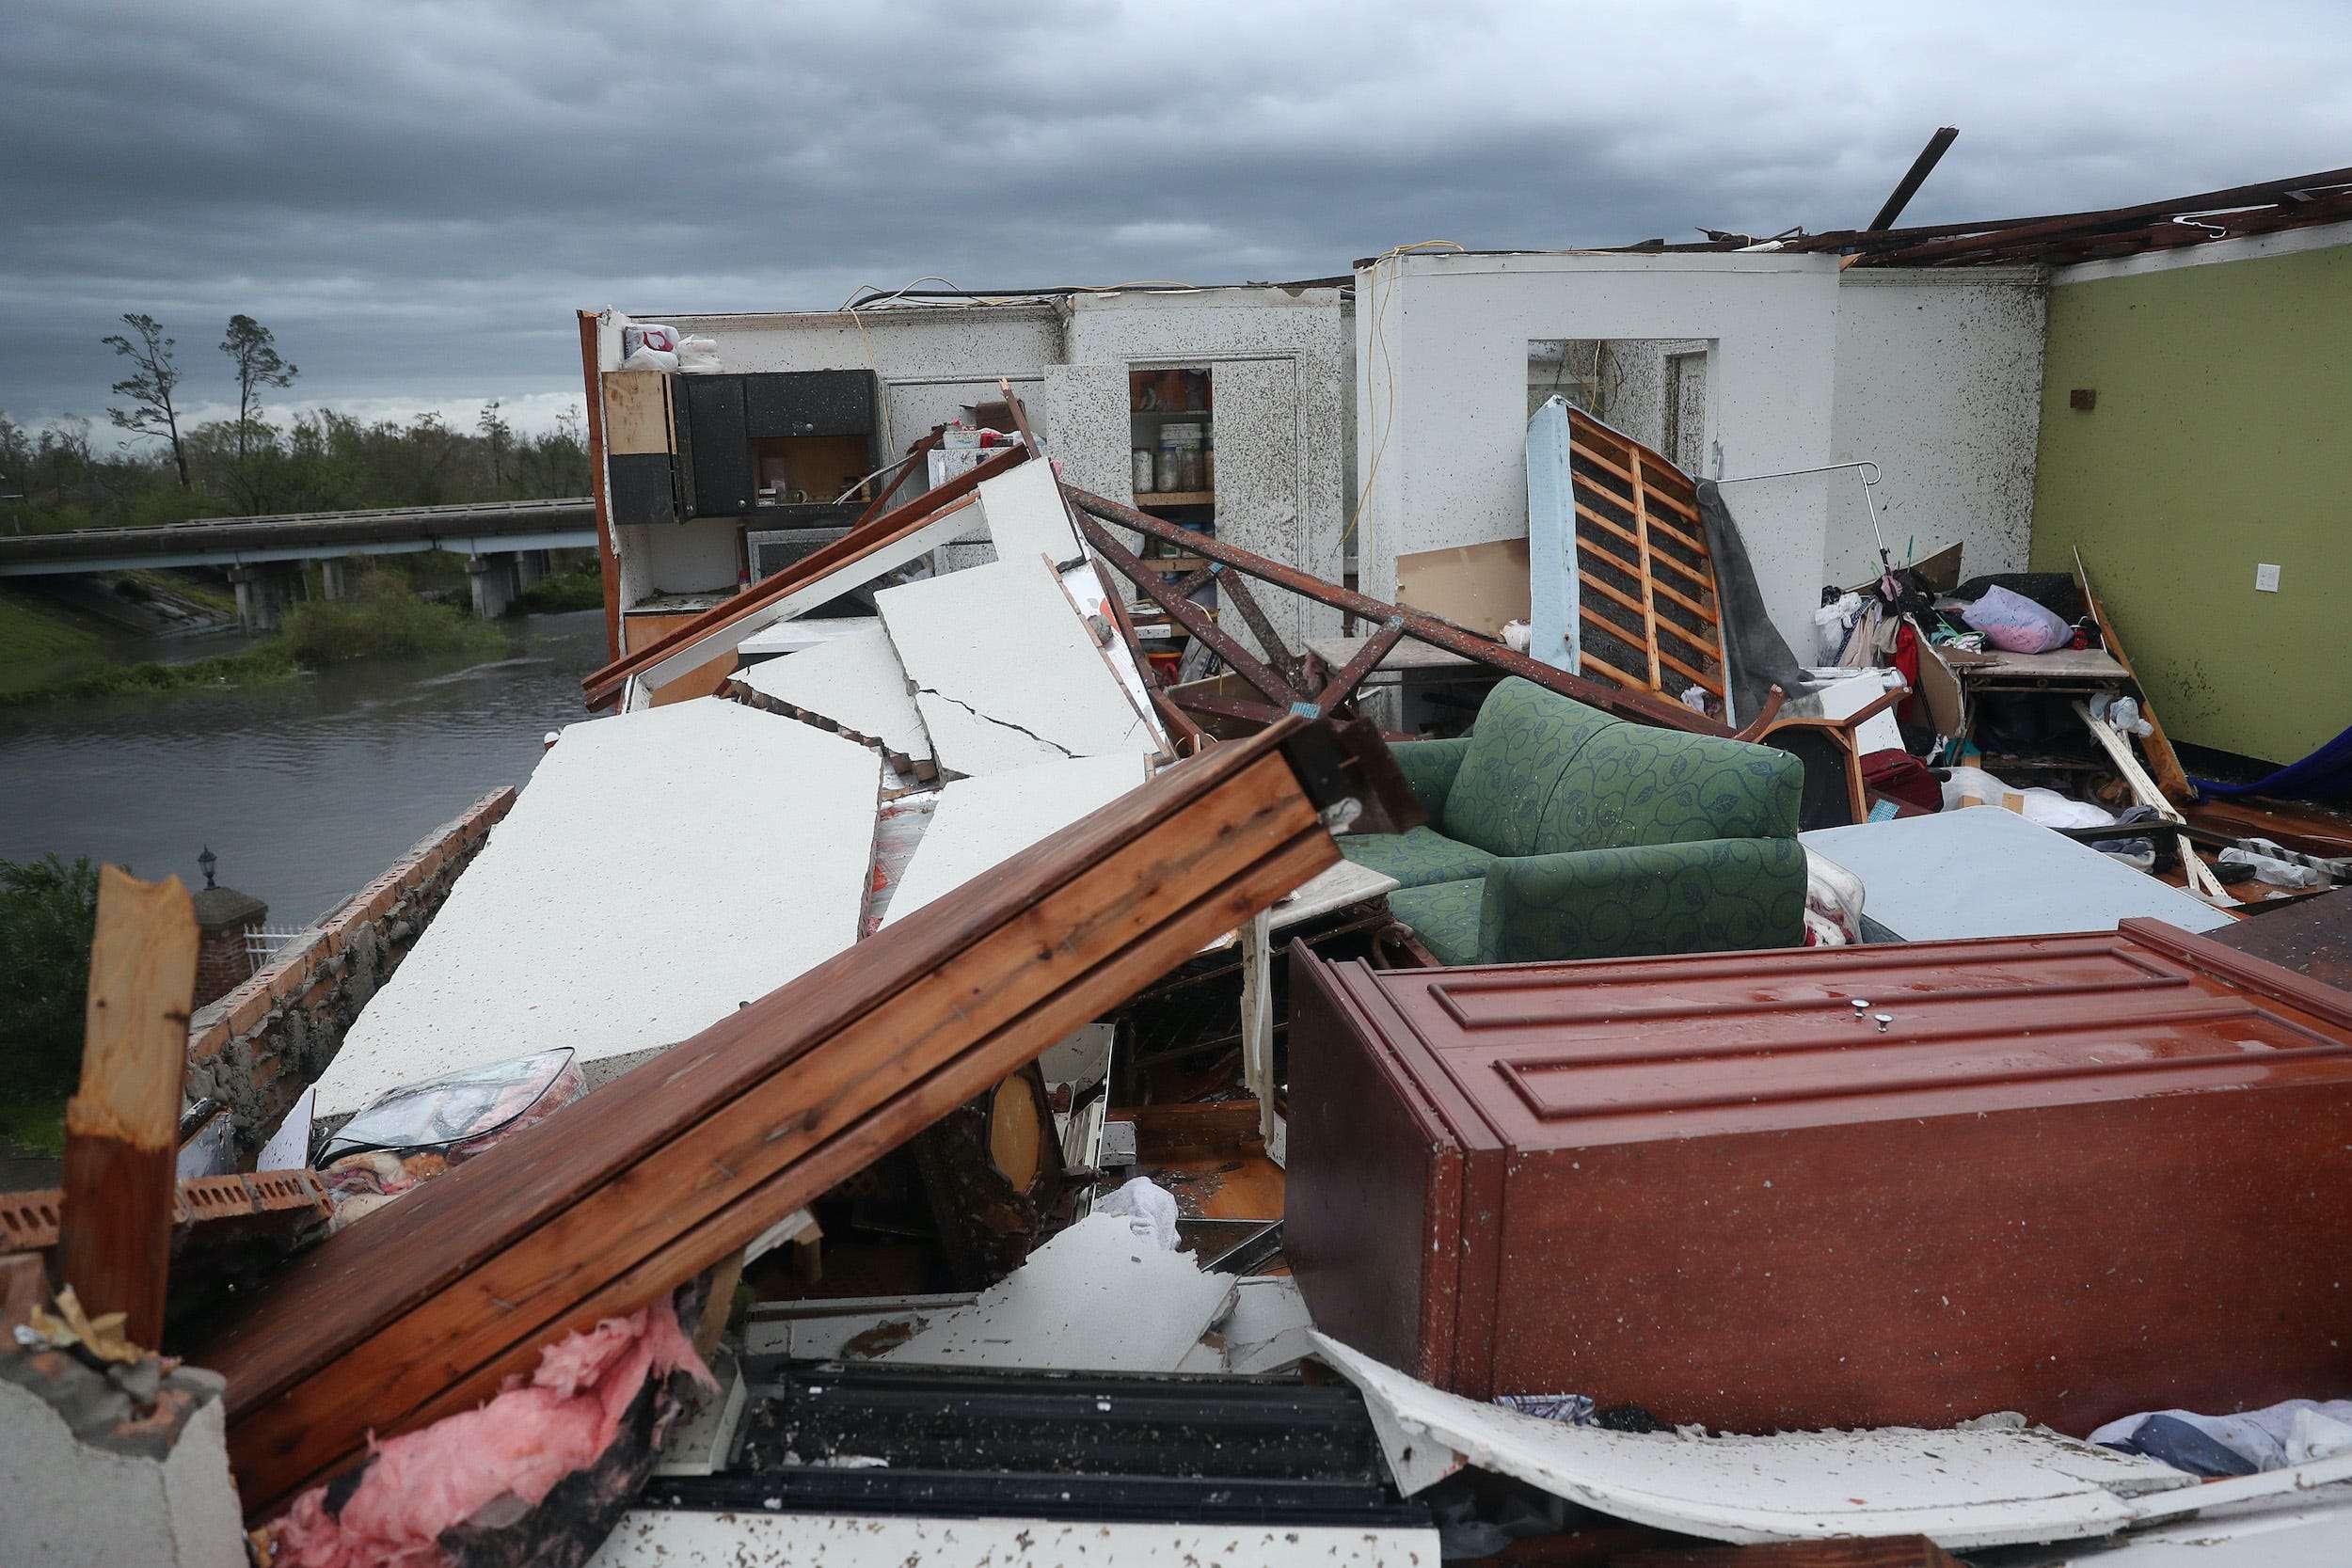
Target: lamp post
point(205, 863)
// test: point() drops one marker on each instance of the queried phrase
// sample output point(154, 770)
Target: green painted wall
point(2223, 437)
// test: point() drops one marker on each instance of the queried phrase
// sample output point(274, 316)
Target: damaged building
point(1512, 906)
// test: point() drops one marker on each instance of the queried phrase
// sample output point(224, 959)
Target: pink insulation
point(521, 1442)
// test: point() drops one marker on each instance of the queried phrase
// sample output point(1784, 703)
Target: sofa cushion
point(1525, 738)
point(1635, 784)
point(1417, 857)
point(1716, 895)
point(1444, 916)
point(1429, 766)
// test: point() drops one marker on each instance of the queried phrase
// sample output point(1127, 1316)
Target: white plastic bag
point(698, 353)
point(2015, 623)
point(1150, 1212)
point(2045, 806)
point(648, 346)
point(1832, 624)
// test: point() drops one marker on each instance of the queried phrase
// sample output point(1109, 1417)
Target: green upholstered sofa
point(1558, 832)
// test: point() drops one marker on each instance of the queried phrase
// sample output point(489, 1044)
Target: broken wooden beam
point(614, 1201)
point(1639, 706)
point(122, 1127)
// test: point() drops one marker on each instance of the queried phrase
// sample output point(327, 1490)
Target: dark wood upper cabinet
point(721, 416)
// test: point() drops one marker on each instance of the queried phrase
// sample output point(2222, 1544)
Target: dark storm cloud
point(415, 195)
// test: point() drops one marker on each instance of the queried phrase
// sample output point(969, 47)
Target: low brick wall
point(260, 1046)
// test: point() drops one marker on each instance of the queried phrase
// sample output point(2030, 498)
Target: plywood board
point(1478, 586)
point(856, 681)
point(1006, 674)
point(1095, 1298)
point(980, 823)
point(650, 879)
point(1959, 1488)
point(1984, 872)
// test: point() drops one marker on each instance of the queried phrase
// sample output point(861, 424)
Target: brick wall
point(260, 1046)
point(223, 962)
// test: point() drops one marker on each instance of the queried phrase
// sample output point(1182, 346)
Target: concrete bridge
point(505, 544)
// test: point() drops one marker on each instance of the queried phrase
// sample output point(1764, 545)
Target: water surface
point(306, 788)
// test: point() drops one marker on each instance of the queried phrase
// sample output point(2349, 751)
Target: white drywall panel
point(981, 823)
point(855, 681)
point(1441, 392)
point(1095, 1298)
point(1006, 674)
point(1025, 517)
point(660, 869)
point(1960, 1487)
point(1939, 382)
point(680, 1537)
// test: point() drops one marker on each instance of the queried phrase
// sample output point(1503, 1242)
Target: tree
point(48, 913)
point(149, 388)
point(500, 435)
point(253, 349)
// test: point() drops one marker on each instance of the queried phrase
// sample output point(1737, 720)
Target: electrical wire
point(1378, 305)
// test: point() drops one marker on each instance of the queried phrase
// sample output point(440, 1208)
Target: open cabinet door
point(1256, 430)
point(1087, 428)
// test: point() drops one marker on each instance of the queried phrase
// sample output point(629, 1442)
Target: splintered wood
point(122, 1128)
point(1650, 616)
point(604, 1207)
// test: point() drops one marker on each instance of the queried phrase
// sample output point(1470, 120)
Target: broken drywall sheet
point(659, 870)
point(979, 823)
point(1961, 1488)
point(1006, 674)
point(853, 680)
point(1096, 1298)
point(1269, 1329)
point(792, 636)
point(1026, 515)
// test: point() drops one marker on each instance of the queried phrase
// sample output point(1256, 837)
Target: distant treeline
point(324, 462)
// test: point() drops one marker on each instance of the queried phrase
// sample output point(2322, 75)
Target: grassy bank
point(384, 620)
point(560, 593)
point(37, 639)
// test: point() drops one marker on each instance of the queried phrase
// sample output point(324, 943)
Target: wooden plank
point(1630, 638)
point(1711, 683)
point(1594, 661)
point(607, 560)
point(1612, 591)
point(1649, 563)
point(1693, 606)
point(114, 1240)
point(2162, 761)
point(2202, 882)
point(645, 1183)
point(1342, 685)
point(1585, 544)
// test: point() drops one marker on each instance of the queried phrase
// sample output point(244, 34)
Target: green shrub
point(559, 593)
point(384, 620)
point(48, 912)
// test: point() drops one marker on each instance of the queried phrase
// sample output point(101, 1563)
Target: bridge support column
point(530, 566)
point(259, 597)
point(492, 580)
point(335, 577)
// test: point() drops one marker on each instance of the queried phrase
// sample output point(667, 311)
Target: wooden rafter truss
point(1287, 683)
point(1650, 616)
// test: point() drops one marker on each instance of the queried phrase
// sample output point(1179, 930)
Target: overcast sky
point(415, 196)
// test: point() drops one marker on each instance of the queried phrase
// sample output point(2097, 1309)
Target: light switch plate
point(2266, 577)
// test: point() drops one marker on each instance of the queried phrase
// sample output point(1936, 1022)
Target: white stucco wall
point(1301, 338)
point(933, 360)
point(1441, 387)
point(1939, 382)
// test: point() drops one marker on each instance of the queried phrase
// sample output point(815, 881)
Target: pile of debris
point(864, 1112)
